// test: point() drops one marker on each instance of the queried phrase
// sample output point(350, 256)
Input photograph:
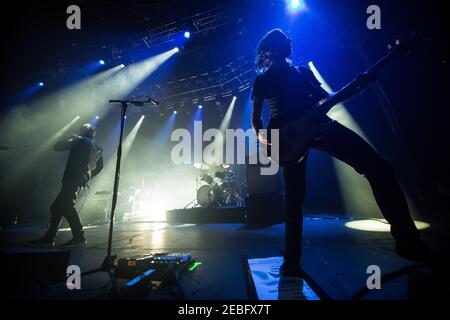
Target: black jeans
point(347, 146)
point(64, 206)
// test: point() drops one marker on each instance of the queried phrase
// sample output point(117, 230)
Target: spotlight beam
point(227, 118)
point(108, 172)
point(339, 112)
point(220, 143)
point(25, 163)
point(132, 76)
point(32, 119)
point(355, 190)
point(86, 98)
point(128, 142)
point(163, 134)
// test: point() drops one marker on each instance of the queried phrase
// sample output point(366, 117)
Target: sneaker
point(291, 270)
point(78, 241)
point(43, 241)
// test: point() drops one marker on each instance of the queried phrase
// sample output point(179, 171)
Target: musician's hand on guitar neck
point(361, 82)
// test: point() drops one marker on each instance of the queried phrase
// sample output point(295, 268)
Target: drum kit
point(216, 186)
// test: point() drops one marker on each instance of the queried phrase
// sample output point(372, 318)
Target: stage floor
point(334, 256)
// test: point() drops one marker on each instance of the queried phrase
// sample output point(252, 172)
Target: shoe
point(414, 251)
point(43, 241)
point(76, 241)
point(292, 270)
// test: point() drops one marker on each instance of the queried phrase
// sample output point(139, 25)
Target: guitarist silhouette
point(294, 93)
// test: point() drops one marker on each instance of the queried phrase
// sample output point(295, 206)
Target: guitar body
point(295, 136)
point(297, 132)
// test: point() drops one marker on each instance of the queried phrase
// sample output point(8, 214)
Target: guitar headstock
point(396, 50)
point(402, 47)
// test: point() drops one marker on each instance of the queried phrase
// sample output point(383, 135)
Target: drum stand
point(192, 204)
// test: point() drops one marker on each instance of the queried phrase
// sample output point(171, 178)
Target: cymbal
point(201, 166)
point(103, 193)
point(219, 167)
point(227, 174)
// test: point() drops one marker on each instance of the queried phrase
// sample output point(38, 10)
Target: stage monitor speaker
point(264, 209)
point(261, 184)
point(25, 268)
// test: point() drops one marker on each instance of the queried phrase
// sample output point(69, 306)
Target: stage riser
point(206, 215)
point(259, 209)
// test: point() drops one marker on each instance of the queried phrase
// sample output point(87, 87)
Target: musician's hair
point(88, 130)
point(276, 42)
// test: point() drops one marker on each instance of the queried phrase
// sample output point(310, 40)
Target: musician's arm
point(360, 83)
point(257, 107)
point(324, 94)
point(66, 144)
point(332, 98)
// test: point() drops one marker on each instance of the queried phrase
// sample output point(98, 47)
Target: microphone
point(153, 101)
point(137, 102)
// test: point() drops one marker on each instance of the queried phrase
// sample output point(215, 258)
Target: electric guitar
point(295, 134)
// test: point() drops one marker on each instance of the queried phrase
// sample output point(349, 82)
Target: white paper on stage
point(269, 285)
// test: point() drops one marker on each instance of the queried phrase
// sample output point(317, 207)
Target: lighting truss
point(161, 35)
point(198, 23)
point(217, 85)
point(221, 83)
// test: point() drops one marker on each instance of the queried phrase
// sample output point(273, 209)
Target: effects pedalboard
point(158, 267)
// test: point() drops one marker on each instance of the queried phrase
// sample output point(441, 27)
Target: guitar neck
point(355, 86)
point(342, 95)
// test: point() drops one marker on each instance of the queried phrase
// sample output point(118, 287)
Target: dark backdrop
point(405, 118)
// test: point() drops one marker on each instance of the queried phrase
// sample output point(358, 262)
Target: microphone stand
point(108, 264)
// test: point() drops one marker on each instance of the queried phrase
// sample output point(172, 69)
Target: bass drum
point(205, 196)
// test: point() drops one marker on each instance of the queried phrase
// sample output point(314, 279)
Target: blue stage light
point(200, 106)
point(296, 5)
point(175, 112)
point(187, 34)
point(176, 49)
point(41, 84)
point(102, 62)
